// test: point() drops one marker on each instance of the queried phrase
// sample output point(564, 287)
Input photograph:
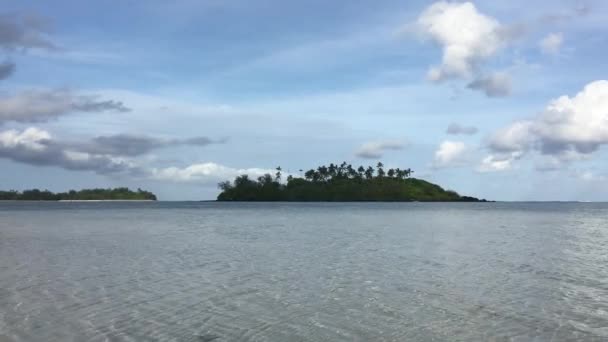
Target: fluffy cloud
point(466, 36)
point(456, 129)
point(496, 85)
point(30, 139)
point(516, 137)
point(552, 43)
point(43, 105)
point(6, 69)
point(570, 128)
point(205, 173)
point(24, 32)
point(450, 154)
point(376, 149)
point(579, 123)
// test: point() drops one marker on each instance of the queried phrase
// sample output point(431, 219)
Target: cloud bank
point(37, 147)
point(103, 155)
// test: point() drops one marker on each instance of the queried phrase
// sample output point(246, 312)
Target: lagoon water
point(303, 272)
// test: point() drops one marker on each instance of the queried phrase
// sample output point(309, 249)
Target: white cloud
point(206, 173)
point(569, 129)
point(515, 137)
point(552, 43)
point(498, 162)
point(31, 138)
point(450, 154)
point(496, 85)
point(466, 36)
point(376, 149)
point(579, 123)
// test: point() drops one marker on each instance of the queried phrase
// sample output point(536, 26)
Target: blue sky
point(175, 97)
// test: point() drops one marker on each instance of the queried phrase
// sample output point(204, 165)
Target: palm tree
point(369, 173)
point(332, 170)
point(398, 173)
point(265, 179)
point(241, 180)
point(224, 186)
point(361, 171)
point(323, 172)
point(352, 173)
point(342, 170)
point(316, 176)
point(309, 174)
point(391, 173)
point(380, 170)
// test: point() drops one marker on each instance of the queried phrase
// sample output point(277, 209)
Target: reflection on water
point(303, 272)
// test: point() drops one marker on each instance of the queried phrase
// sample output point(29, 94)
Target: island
point(339, 183)
point(116, 194)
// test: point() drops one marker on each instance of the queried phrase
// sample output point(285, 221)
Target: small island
point(339, 183)
point(116, 194)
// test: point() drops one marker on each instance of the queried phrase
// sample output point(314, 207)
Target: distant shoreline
point(89, 195)
point(108, 200)
point(65, 201)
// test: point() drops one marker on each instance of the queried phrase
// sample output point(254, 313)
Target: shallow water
point(303, 272)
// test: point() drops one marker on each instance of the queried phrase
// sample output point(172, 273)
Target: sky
point(493, 99)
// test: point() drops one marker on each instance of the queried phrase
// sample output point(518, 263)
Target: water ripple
point(303, 272)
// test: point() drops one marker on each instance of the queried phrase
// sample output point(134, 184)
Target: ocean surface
point(303, 272)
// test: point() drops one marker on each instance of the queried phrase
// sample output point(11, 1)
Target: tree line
point(347, 171)
point(84, 194)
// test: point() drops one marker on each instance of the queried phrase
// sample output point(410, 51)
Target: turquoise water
point(303, 272)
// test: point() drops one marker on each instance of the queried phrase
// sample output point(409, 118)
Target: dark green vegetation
point(84, 194)
point(338, 183)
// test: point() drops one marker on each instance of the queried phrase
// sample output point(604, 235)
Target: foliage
point(84, 194)
point(338, 183)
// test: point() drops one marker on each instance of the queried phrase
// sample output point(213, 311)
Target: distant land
point(116, 194)
point(339, 183)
